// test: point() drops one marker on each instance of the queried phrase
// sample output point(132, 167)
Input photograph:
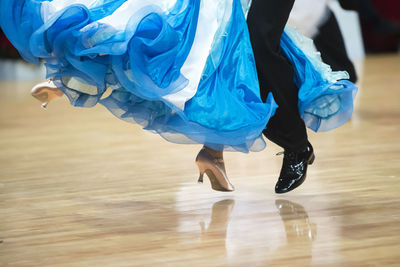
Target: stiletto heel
point(45, 92)
point(200, 180)
point(215, 170)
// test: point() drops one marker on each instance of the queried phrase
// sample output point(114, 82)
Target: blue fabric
point(18, 20)
point(142, 64)
point(323, 105)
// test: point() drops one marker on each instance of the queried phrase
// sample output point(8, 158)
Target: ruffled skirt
point(181, 68)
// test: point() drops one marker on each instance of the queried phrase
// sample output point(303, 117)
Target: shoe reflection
point(300, 231)
point(217, 227)
point(295, 219)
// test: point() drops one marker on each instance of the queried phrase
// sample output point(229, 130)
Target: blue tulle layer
point(142, 64)
point(325, 97)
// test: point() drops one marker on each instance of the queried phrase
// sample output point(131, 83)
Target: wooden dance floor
point(79, 187)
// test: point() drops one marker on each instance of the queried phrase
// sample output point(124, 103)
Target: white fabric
point(308, 15)
point(351, 30)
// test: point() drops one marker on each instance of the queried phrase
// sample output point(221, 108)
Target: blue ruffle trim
point(325, 97)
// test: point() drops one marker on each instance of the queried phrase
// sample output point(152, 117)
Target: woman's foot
point(45, 92)
point(211, 162)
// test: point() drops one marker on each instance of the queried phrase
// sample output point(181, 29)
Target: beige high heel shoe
point(215, 170)
point(45, 92)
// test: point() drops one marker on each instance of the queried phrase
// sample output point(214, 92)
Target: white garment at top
point(308, 15)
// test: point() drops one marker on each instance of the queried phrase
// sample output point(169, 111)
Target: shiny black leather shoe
point(294, 169)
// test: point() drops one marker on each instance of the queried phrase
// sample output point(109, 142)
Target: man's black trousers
point(266, 21)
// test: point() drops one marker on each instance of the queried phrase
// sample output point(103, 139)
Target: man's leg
point(266, 21)
point(329, 41)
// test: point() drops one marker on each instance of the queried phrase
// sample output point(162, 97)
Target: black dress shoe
point(294, 169)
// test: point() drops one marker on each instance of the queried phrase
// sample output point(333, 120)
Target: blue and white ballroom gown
point(181, 68)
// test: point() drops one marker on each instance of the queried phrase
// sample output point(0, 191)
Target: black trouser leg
point(266, 21)
point(330, 43)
